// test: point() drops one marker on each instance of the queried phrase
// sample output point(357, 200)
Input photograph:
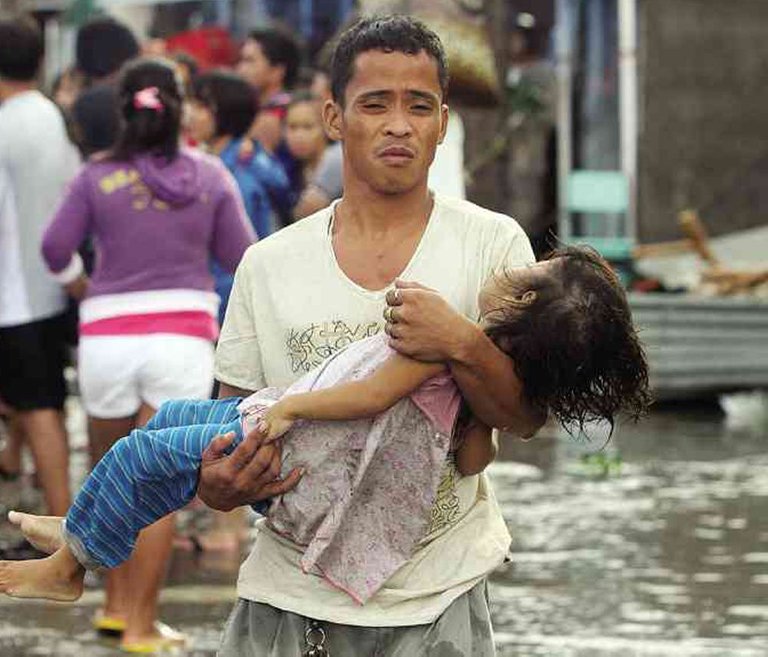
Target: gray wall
point(703, 114)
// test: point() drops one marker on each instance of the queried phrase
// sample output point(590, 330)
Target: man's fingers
point(411, 285)
point(394, 297)
point(282, 485)
point(392, 331)
point(244, 452)
point(218, 447)
point(390, 315)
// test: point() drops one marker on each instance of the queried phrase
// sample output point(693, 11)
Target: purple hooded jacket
point(155, 224)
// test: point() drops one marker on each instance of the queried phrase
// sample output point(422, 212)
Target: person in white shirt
point(36, 163)
point(307, 291)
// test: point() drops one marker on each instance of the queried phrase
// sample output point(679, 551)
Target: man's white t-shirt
point(38, 161)
point(291, 307)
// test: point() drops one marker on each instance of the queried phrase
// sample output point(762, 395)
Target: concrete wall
point(703, 114)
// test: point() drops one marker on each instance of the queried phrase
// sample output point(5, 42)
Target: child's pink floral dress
point(366, 497)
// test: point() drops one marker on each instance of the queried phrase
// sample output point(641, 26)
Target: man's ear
point(443, 122)
point(332, 119)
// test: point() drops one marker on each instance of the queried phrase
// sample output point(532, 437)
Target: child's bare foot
point(58, 577)
point(44, 532)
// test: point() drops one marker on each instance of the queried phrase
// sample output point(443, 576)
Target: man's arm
point(226, 390)
point(427, 328)
point(477, 449)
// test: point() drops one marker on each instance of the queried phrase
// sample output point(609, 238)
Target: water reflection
point(666, 555)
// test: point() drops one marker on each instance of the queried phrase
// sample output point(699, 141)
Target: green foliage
point(525, 97)
point(601, 465)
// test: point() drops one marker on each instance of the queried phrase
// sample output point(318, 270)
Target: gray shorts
point(463, 630)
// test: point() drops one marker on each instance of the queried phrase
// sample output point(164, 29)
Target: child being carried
point(370, 427)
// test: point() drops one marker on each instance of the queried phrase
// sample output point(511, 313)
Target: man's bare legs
point(10, 457)
point(47, 439)
point(134, 587)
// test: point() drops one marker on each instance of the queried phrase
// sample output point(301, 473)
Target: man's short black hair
point(230, 98)
point(280, 48)
point(21, 49)
point(394, 33)
point(103, 45)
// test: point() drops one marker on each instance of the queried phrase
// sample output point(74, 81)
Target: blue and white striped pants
point(145, 476)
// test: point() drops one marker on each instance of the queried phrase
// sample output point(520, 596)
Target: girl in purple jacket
point(157, 214)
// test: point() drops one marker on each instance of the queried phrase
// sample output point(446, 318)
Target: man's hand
point(78, 288)
point(248, 475)
point(423, 325)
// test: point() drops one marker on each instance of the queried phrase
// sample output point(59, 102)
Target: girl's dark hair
point(394, 33)
point(572, 339)
point(145, 130)
point(230, 98)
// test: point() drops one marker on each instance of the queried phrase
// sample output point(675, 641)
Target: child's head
point(222, 104)
point(566, 324)
point(150, 96)
point(304, 132)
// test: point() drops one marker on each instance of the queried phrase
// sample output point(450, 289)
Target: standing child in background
point(376, 429)
point(222, 109)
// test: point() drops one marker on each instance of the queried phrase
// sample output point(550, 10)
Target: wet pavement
point(655, 546)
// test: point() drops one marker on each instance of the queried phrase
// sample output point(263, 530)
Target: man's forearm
point(226, 390)
point(492, 388)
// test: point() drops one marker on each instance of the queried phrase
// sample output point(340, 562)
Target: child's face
point(304, 132)
point(200, 121)
point(510, 289)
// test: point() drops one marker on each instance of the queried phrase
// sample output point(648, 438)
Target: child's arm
point(477, 449)
point(397, 377)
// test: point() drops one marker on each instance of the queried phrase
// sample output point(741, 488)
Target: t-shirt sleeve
point(232, 230)
point(329, 173)
point(70, 224)
point(238, 356)
point(509, 247)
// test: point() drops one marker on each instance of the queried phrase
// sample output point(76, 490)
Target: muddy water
point(659, 547)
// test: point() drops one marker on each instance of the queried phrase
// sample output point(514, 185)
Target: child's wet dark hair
point(569, 330)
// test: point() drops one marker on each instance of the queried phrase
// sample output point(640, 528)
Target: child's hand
point(276, 421)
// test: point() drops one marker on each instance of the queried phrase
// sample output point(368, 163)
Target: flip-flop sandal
point(108, 625)
point(168, 639)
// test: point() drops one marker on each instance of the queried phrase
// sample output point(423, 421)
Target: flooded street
point(657, 546)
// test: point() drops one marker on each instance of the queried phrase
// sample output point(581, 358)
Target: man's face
point(254, 65)
point(392, 120)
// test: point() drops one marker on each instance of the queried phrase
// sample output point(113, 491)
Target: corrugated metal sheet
point(698, 346)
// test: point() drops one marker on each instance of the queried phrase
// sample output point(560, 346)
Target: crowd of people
point(153, 134)
point(355, 406)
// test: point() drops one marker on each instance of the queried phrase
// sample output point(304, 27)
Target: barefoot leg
point(44, 532)
point(58, 577)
